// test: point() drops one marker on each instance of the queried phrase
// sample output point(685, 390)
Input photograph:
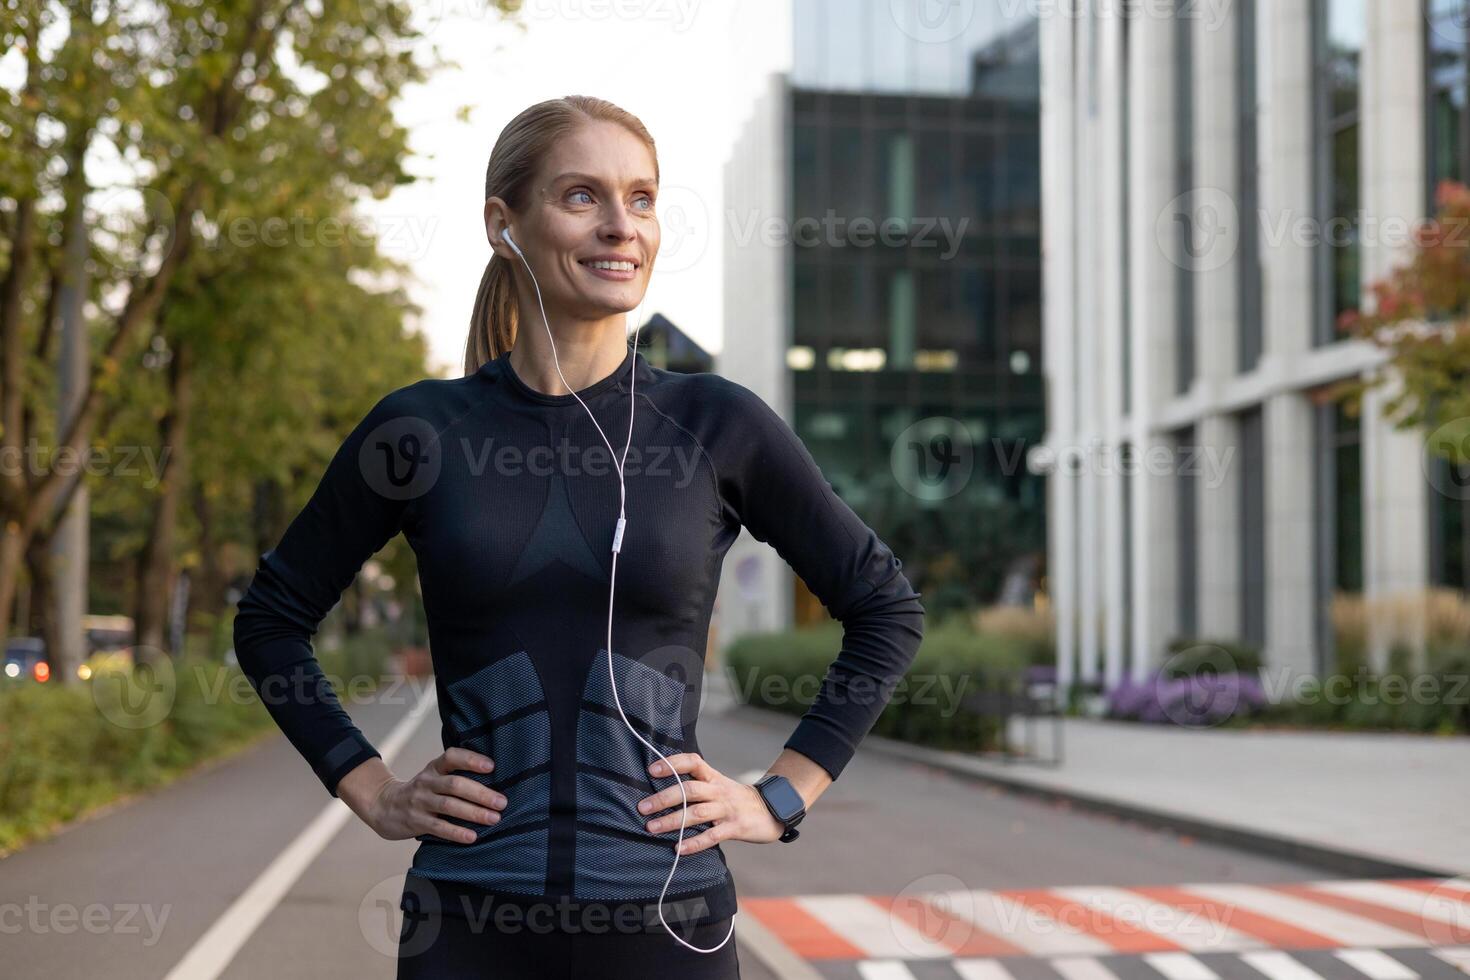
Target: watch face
point(784, 798)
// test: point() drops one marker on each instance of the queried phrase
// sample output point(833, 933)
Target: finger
point(683, 762)
point(447, 831)
point(671, 796)
point(690, 815)
point(459, 758)
point(453, 806)
point(704, 841)
point(467, 789)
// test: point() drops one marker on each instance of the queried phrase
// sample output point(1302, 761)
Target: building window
point(1253, 528)
point(1447, 33)
point(1449, 515)
point(1184, 20)
point(1186, 484)
point(1249, 269)
point(1339, 46)
point(1338, 478)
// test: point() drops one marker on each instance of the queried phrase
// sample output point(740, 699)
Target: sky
point(688, 69)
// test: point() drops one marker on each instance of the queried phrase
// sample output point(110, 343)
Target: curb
point(1336, 860)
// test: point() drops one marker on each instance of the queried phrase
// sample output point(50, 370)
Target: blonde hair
point(519, 152)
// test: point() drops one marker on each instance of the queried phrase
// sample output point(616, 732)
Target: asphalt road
point(132, 892)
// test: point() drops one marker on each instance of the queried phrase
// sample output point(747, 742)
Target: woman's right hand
point(403, 809)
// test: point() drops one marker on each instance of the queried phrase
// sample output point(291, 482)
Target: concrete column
point(1058, 162)
point(1217, 314)
point(1153, 183)
point(1287, 192)
point(1087, 326)
point(1108, 259)
point(1395, 493)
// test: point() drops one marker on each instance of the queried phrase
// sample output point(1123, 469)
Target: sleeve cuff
point(814, 739)
point(343, 759)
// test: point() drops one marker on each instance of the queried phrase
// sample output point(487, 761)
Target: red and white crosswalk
point(1291, 931)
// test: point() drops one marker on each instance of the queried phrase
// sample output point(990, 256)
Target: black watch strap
point(784, 802)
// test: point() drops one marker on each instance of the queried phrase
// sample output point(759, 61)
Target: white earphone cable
point(617, 545)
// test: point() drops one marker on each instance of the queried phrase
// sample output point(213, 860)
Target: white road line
point(975, 969)
point(1456, 956)
point(1279, 966)
point(1344, 927)
point(1376, 964)
point(1082, 968)
point(871, 929)
point(1439, 908)
point(884, 970)
point(1195, 930)
point(213, 951)
point(751, 934)
point(1024, 927)
point(1180, 966)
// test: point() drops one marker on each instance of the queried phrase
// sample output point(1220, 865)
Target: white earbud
point(617, 545)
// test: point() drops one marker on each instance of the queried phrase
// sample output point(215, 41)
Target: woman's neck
point(587, 353)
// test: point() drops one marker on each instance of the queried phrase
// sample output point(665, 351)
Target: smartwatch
point(784, 802)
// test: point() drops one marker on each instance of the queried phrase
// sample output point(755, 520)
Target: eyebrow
point(590, 179)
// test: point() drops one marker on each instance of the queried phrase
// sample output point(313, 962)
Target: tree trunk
point(155, 566)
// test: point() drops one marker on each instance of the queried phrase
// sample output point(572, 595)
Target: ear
point(497, 223)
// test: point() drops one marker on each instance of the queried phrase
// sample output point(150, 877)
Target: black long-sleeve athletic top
point(509, 498)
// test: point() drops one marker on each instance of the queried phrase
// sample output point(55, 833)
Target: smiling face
point(589, 229)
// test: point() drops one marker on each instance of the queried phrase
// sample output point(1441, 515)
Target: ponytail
point(493, 320)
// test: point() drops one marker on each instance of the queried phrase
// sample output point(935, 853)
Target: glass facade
point(1252, 308)
point(1339, 41)
point(1253, 527)
point(1184, 21)
point(930, 310)
point(1186, 512)
point(1447, 33)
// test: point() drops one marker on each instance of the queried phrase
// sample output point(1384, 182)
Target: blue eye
point(648, 201)
point(576, 192)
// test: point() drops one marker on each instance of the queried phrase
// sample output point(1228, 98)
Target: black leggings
point(446, 947)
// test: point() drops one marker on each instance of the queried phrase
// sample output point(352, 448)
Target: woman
point(550, 828)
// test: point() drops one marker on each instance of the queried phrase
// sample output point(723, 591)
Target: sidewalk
point(1361, 804)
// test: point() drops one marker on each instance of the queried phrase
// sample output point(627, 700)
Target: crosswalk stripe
point(884, 970)
point(800, 931)
point(1119, 935)
point(1082, 968)
point(1413, 925)
point(1180, 966)
point(1376, 964)
point(1456, 956)
point(865, 925)
point(931, 915)
point(1344, 927)
point(1458, 887)
point(1413, 902)
point(1268, 929)
point(970, 969)
point(1028, 929)
point(1280, 966)
point(1194, 931)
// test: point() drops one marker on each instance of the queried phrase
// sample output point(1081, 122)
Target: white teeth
point(615, 266)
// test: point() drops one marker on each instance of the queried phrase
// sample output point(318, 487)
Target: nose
point(618, 226)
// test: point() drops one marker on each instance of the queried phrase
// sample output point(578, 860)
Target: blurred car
point(25, 659)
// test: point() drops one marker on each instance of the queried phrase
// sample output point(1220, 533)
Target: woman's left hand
point(736, 809)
